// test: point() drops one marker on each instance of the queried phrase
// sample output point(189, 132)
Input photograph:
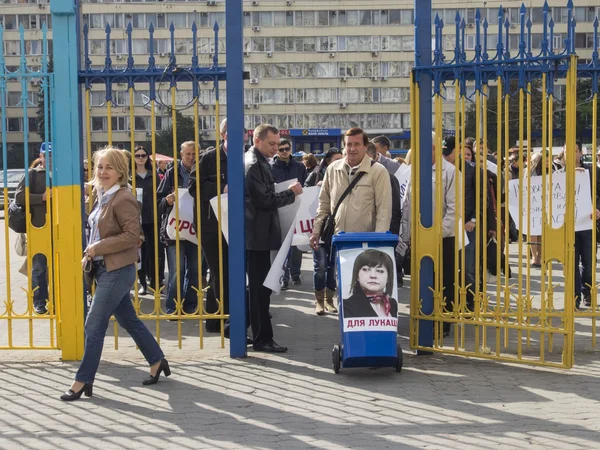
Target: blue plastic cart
point(363, 345)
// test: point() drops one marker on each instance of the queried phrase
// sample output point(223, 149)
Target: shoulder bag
point(328, 226)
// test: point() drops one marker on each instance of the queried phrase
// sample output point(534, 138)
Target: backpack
point(17, 217)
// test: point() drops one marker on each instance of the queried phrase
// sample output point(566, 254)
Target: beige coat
point(367, 208)
point(449, 204)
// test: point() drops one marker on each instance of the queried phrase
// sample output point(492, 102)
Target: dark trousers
point(148, 268)
point(258, 263)
point(293, 265)
point(39, 279)
point(448, 268)
point(210, 246)
point(586, 255)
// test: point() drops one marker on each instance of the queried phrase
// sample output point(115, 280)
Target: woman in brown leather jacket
point(111, 255)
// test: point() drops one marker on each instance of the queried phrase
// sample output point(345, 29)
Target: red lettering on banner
point(306, 226)
point(183, 225)
point(362, 323)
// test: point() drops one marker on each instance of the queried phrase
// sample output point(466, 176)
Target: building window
point(323, 18)
point(98, 123)
point(15, 124)
point(32, 124)
point(119, 123)
point(10, 22)
point(13, 99)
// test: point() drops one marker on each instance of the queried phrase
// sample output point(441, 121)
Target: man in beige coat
point(368, 207)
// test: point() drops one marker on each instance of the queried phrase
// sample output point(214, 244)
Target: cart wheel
point(336, 358)
point(400, 359)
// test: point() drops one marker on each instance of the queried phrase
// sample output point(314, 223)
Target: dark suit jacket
point(358, 305)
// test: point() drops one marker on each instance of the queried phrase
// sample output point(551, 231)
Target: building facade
point(315, 68)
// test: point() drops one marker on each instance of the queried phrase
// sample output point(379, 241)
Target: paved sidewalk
point(295, 400)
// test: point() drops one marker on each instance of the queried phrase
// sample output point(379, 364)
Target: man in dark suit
point(263, 231)
point(212, 183)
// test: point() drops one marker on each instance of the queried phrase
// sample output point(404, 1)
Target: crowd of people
point(359, 192)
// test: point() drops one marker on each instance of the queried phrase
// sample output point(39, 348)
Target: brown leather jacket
point(120, 230)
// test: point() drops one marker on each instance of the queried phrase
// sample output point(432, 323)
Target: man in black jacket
point(584, 250)
point(263, 231)
point(207, 225)
point(286, 168)
point(188, 251)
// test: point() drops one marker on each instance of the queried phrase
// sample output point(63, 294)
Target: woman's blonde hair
point(117, 159)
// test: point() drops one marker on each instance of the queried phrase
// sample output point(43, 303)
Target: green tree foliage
point(40, 115)
point(185, 132)
point(535, 121)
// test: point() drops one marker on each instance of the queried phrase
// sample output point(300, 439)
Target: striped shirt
point(185, 175)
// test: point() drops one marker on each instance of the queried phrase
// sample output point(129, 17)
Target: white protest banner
point(403, 174)
point(305, 204)
point(186, 218)
point(305, 218)
point(214, 204)
point(558, 194)
point(287, 214)
point(273, 280)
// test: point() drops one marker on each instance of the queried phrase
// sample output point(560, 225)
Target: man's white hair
point(223, 127)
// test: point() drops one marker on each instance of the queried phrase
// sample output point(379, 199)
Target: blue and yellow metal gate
point(59, 323)
point(162, 85)
point(527, 315)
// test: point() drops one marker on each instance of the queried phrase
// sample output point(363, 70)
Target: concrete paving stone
point(295, 400)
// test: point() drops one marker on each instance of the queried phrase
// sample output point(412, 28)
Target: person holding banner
point(209, 226)
point(263, 231)
point(585, 252)
point(285, 168)
point(188, 251)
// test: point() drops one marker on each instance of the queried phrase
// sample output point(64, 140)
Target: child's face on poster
point(373, 280)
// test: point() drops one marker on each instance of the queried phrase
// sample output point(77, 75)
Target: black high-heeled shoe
point(71, 395)
point(164, 368)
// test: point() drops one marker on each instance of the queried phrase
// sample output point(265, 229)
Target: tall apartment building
point(316, 68)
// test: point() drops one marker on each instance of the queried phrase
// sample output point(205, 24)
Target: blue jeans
point(39, 279)
point(188, 276)
point(585, 254)
point(112, 297)
point(292, 265)
point(324, 270)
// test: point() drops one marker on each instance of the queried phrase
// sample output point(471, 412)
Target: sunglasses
point(285, 149)
point(141, 156)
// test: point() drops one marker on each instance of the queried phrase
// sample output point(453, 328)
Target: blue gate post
point(423, 53)
point(235, 177)
point(66, 182)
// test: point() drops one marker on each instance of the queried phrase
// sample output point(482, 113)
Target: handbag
point(17, 218)
point(328, 226)
point(21, 244)
point(88, 272)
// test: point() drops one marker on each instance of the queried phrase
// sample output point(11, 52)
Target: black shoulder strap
point(358, 176)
